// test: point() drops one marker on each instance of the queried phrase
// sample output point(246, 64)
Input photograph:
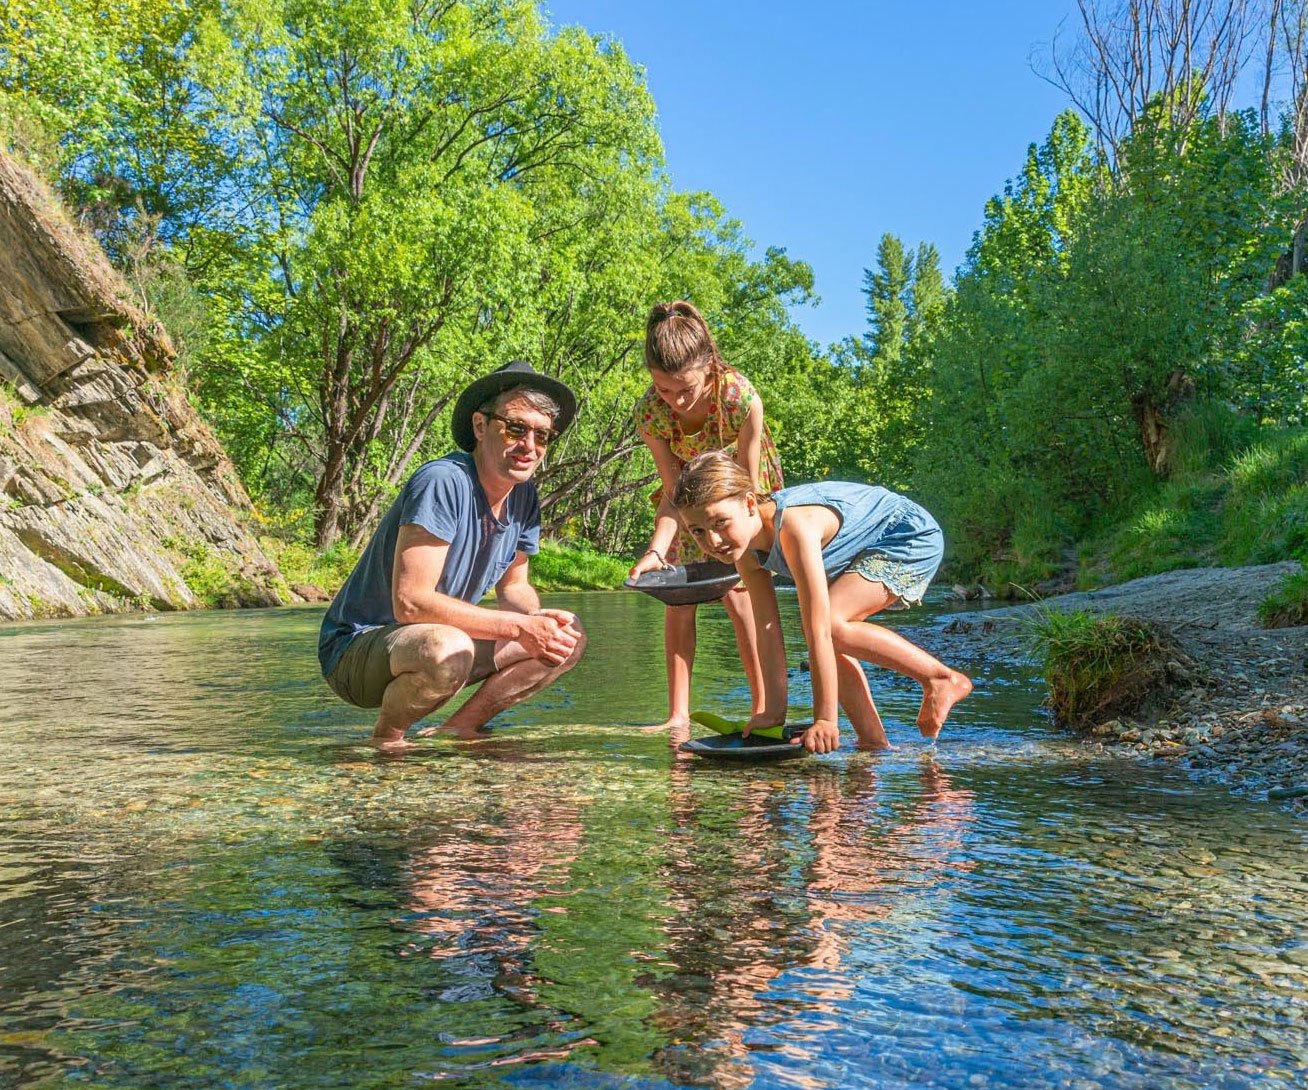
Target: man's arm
point(514, 594)
point(419, 561)
point(513, 591)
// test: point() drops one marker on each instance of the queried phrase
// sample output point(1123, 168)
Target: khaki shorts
point(364, 671)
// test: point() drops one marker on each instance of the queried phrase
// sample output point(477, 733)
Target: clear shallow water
point(205, 881)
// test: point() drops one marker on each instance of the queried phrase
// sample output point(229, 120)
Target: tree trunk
point(329, 499)
point(1153, 416)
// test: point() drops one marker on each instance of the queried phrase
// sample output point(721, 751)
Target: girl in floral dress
point(697, 403)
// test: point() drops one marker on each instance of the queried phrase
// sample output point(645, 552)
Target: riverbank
point(1239, 713)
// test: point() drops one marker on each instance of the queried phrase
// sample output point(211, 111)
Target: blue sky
point(822, 125)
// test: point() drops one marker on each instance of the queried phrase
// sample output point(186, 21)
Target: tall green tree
point(886, 289)
point(428, 163)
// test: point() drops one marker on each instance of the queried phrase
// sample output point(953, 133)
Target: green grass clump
point(1266, 514)
point(571, 567)
point(1098, 667)
point(300, 563)
point(211, 577)
point(1287, 605)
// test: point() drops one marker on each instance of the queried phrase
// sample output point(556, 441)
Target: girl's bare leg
point(856, 698)
point(679, 652)
point(852, 599)
point(741, 611)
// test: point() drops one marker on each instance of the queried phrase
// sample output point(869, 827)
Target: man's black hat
point(515, 373)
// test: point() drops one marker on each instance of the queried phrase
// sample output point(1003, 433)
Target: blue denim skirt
point(906, 556)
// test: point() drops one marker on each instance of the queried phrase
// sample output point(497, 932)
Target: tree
point(887, 292)
point(1134, 54)
point(423, 158)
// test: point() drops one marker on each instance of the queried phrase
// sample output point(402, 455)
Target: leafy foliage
point(1099, 315)
point(343, 212)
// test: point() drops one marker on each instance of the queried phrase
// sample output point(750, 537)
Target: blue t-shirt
point(446, 499)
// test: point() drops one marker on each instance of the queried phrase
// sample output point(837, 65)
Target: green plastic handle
point(733, 726)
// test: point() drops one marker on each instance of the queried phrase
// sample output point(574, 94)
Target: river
point(206, 880)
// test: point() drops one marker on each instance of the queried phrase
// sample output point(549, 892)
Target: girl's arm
point(800, 538)
point(749, 443)
point(771, 645)
point(665, 519)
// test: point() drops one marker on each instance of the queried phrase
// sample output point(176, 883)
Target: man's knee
point(443, 659)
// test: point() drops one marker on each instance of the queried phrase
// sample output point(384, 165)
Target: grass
point(1266, 515)
point(573, 567)
point(300, 563)
point(1252, 508)
point(1287, 605)
point(1097, 666)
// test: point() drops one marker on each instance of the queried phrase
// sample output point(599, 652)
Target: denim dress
point(883, 536)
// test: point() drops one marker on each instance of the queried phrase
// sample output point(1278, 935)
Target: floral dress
point(729, 406)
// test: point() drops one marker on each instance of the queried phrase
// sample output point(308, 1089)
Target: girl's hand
point(822, 737)
point(650, 561)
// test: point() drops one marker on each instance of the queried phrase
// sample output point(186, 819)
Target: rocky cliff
point(113, 494)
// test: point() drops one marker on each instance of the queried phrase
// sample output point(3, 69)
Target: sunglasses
point(516, 429)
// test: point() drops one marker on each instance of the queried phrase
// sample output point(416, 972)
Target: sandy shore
point(1241, 717)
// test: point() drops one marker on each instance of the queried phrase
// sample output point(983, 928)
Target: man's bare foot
point(390, 744)
point(875, 743)
point(673, 723)
point(463, 734)
point(939, 695)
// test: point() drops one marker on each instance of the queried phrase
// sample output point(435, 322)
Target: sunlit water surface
point(207, 881)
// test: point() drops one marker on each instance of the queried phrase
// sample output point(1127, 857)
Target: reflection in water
point(471, 901)
point(205, 880)
point(785, 887)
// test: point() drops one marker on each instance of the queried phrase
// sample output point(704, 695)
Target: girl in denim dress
point(853, 550)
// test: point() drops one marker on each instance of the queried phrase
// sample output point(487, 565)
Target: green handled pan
point(766, 743)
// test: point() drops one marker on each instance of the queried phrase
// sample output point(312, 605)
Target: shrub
point(300, 563)
point(1098, 667)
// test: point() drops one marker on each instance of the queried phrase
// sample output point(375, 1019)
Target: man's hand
point(822, 737)
point(548, 635)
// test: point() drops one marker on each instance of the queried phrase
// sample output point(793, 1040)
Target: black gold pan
point(688, 584)
point(736, 747)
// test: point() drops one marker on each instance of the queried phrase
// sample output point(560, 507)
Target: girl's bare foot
point(939, 695)
point(673, 723)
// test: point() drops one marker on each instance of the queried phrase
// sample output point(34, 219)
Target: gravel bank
point(1241, 718)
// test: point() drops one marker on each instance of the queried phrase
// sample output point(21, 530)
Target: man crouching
point(405, 632)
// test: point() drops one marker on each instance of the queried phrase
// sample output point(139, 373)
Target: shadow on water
point(207, 880)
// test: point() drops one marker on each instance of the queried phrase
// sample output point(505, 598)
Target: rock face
point(113, 494)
